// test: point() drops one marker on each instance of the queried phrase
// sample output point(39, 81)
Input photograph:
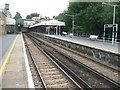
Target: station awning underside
point(49, 23)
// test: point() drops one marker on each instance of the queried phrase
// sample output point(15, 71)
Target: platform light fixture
point(73, 22)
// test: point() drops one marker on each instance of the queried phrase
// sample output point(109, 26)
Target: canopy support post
point(59, 30)
point(56, 29)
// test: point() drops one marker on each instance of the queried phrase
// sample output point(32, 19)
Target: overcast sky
point(43, 7)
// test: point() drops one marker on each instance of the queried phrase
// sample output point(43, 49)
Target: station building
point(6, 21)
point(2, 21)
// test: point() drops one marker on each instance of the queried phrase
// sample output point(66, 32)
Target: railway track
point(100, 80)
point(106, 64)
point(33, 67)
point(46, 71)
point(114, 72)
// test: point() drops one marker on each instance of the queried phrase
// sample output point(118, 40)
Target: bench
point(93, 37)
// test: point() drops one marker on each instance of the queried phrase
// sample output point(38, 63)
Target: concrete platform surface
point(14, 72)
point(5, 42)
point(91, 43)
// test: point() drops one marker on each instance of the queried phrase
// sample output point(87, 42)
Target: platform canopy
point(53, 23)
point(50, 23)
point(35, 25)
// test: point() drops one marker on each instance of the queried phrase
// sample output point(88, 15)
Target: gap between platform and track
point(7, 57)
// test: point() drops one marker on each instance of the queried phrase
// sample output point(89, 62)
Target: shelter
point(51, 23)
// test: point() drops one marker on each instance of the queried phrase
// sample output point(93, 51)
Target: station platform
point(105, 46)
point(14, 70)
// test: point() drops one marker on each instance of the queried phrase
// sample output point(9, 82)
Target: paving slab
point(15, 74)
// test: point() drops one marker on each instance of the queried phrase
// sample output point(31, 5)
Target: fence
point(108, 38)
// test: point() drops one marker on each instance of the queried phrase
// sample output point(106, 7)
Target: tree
point(17, 16)
point(90, 17)
point(64, 18)
point(32, 15)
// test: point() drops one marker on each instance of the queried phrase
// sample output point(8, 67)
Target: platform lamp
point(73, 22)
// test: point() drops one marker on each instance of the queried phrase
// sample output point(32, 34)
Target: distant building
point(36, 19)
point(5, 20)
point(39, 19)
point(45, 19)
point(28, 22)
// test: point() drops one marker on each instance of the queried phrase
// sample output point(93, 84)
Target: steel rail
point(85, 56)
point(82, 55)
point(37, 69)
point(78, 53)
point(76, 79)
point(116, 84)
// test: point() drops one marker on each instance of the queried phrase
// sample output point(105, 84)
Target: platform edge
point(29, 74)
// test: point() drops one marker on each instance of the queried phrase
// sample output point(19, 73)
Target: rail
point(99, 74)
point(74, 76)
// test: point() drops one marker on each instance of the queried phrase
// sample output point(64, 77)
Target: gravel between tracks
point(90, 78)
point(105, 71)
point(52, 75)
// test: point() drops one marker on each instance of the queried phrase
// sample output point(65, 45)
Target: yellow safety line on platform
point(7, 57)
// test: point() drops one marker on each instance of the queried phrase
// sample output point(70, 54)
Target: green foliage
point(90, 17)
point(17, 16)
point(79, 29)
point(32, 15)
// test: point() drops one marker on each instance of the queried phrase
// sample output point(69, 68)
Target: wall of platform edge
point(94, 53)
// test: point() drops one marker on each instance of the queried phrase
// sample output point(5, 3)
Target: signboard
point(110, 25)
point(114, 32)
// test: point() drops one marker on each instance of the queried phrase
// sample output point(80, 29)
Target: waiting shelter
point(55, 24)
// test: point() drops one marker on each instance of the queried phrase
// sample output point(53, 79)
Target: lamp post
point(113, 20)
point(73, 22)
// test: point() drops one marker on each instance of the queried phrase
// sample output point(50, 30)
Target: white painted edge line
point(29, 75)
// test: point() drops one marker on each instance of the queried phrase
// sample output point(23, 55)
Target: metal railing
point(108, 38)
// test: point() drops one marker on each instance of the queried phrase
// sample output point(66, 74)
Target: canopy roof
point(49, 23)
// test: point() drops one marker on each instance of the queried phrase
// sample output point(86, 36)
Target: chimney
point(6, 6)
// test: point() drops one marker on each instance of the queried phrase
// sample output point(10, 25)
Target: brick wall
point(2, 23)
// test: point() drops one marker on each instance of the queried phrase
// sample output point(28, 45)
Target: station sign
point(114, 32)
point(110, 25)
